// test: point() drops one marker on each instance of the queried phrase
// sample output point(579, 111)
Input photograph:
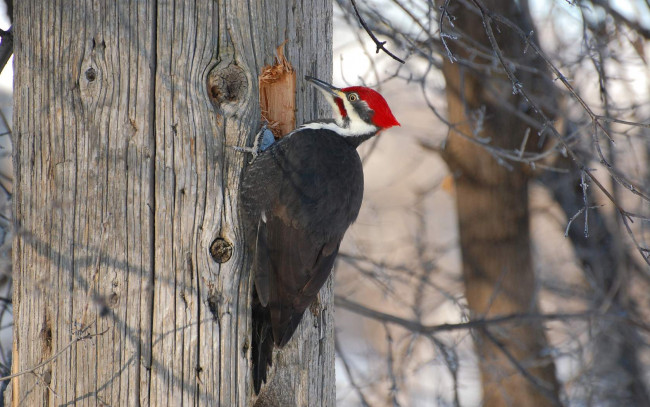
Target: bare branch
point(634, 25)
point(487, 18)
point(379, 44)
point(418, 327)
point(80, 337)
point(348, 371)
point(443, 35)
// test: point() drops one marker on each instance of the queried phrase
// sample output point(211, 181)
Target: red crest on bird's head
point(383, 116)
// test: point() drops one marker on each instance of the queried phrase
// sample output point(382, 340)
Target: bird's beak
point(325, 87)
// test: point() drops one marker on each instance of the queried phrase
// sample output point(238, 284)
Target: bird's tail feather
point(262, 346)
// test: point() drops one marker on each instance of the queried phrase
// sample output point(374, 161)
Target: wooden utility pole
point(130, 272)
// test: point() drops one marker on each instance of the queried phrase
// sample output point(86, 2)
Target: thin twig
point(348, 371)
point(585, 200)
point(634, 25)
point(445, 12)
point(56, 355)
point(390, 362)
point(379, 44)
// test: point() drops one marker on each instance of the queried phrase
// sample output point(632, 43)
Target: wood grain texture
point(124, 117)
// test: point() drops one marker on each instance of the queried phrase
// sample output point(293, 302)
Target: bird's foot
point(263, 140)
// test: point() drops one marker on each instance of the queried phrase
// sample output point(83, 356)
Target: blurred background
point(402, 305)
point(6, 177)
point(402, 258)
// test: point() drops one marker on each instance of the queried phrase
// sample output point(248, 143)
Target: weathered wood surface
point(124, 114)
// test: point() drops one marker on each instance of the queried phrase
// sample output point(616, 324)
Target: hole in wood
point(213, 304)
point(221, 250)
point(91, 74)
point(46, 335)
point(227, 85)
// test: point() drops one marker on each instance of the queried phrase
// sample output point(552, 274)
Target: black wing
point(292, 267)
point(298, 198)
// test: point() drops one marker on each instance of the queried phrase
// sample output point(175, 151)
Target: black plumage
point(298, 199)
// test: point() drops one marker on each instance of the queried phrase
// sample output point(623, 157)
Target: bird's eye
point(353, 97)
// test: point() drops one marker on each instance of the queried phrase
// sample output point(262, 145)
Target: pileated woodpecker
point(298, 198)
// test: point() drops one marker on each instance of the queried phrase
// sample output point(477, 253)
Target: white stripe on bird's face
point(355, 125)
point(352, 124)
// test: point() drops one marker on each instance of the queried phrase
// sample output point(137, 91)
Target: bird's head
point(357, 110)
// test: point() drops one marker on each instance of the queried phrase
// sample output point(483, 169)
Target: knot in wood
point(113, 300)
point(47, 376)
point(90, 81)
point(227, 85)
point(91, 74)
point(221, 250)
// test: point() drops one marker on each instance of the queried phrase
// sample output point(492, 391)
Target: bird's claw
point(263, 140)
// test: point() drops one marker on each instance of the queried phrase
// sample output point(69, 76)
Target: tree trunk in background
point(493, 214)
point(126, 203)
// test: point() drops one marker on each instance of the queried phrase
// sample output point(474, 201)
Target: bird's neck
point(354, 136)
point(355, 141)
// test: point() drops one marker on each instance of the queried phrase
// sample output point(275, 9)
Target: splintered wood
point(278, 95)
